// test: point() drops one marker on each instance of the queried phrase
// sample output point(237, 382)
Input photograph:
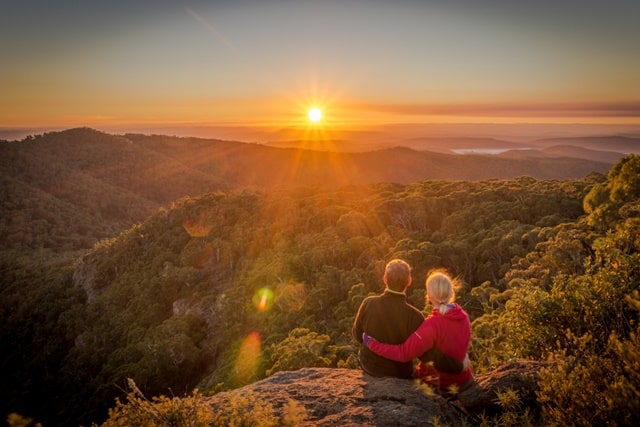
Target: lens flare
point(290, 296)
point(263, 299)
point(248, 360)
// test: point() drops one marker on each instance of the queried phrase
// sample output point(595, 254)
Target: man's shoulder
point(372, 297)
point(387, 300)
point(400, 300)
point(418, 313)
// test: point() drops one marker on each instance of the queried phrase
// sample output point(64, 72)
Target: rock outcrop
point(84, 277)
point(343, 397)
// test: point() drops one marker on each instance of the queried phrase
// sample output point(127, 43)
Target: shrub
point(195, 411)
point(137, 410)
point(591, 388)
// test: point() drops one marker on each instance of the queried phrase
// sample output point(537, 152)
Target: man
point(391, 319)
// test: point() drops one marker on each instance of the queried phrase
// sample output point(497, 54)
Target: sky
point(189, 64)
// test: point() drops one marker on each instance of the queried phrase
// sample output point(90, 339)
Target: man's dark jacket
point(389, 318)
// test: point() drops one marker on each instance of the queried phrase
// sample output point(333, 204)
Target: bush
point(137, 410)
point(194, 411)
point(301, 349)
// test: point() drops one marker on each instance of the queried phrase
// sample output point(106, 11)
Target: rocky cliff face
point(84, 278)
point(344, 397)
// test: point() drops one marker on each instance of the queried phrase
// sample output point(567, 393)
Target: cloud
point(625, 109)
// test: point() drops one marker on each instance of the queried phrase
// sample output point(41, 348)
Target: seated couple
point(392, 332)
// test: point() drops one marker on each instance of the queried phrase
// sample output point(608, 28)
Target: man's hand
point(443, 362)
point(365, 339)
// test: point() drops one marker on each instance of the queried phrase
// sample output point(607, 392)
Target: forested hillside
point(225, 287)
point(64, 190)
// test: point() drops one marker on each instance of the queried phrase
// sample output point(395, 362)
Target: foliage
point(302, 348)
point(137, 410)
point(514, 413)
point(193, 411)
point(248, 410)
point(604, 203)
point(584, 319)
point(17, 420)
point(568, 388)
point(35, 298)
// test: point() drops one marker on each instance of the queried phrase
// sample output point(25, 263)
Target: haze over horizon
point(249, 69)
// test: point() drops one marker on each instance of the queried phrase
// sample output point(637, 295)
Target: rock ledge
point(342, 397)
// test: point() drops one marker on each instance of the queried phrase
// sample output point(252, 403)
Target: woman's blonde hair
point(441, 288)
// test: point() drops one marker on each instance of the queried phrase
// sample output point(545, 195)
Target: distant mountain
point(620, 144)
point(163, 168)
point(371, 141)
point(329, 140)
point(583, 153)
point(462, 145)
point(606, 149)
point(564, 151)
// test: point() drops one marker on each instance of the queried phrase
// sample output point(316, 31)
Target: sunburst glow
point(315, 115)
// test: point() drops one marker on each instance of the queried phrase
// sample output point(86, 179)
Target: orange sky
point(172, 64)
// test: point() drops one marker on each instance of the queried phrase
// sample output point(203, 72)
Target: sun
point(315, 115)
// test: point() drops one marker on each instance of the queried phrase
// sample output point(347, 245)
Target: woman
point(447, 328)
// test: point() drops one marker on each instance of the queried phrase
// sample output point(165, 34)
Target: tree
point(302, 348)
